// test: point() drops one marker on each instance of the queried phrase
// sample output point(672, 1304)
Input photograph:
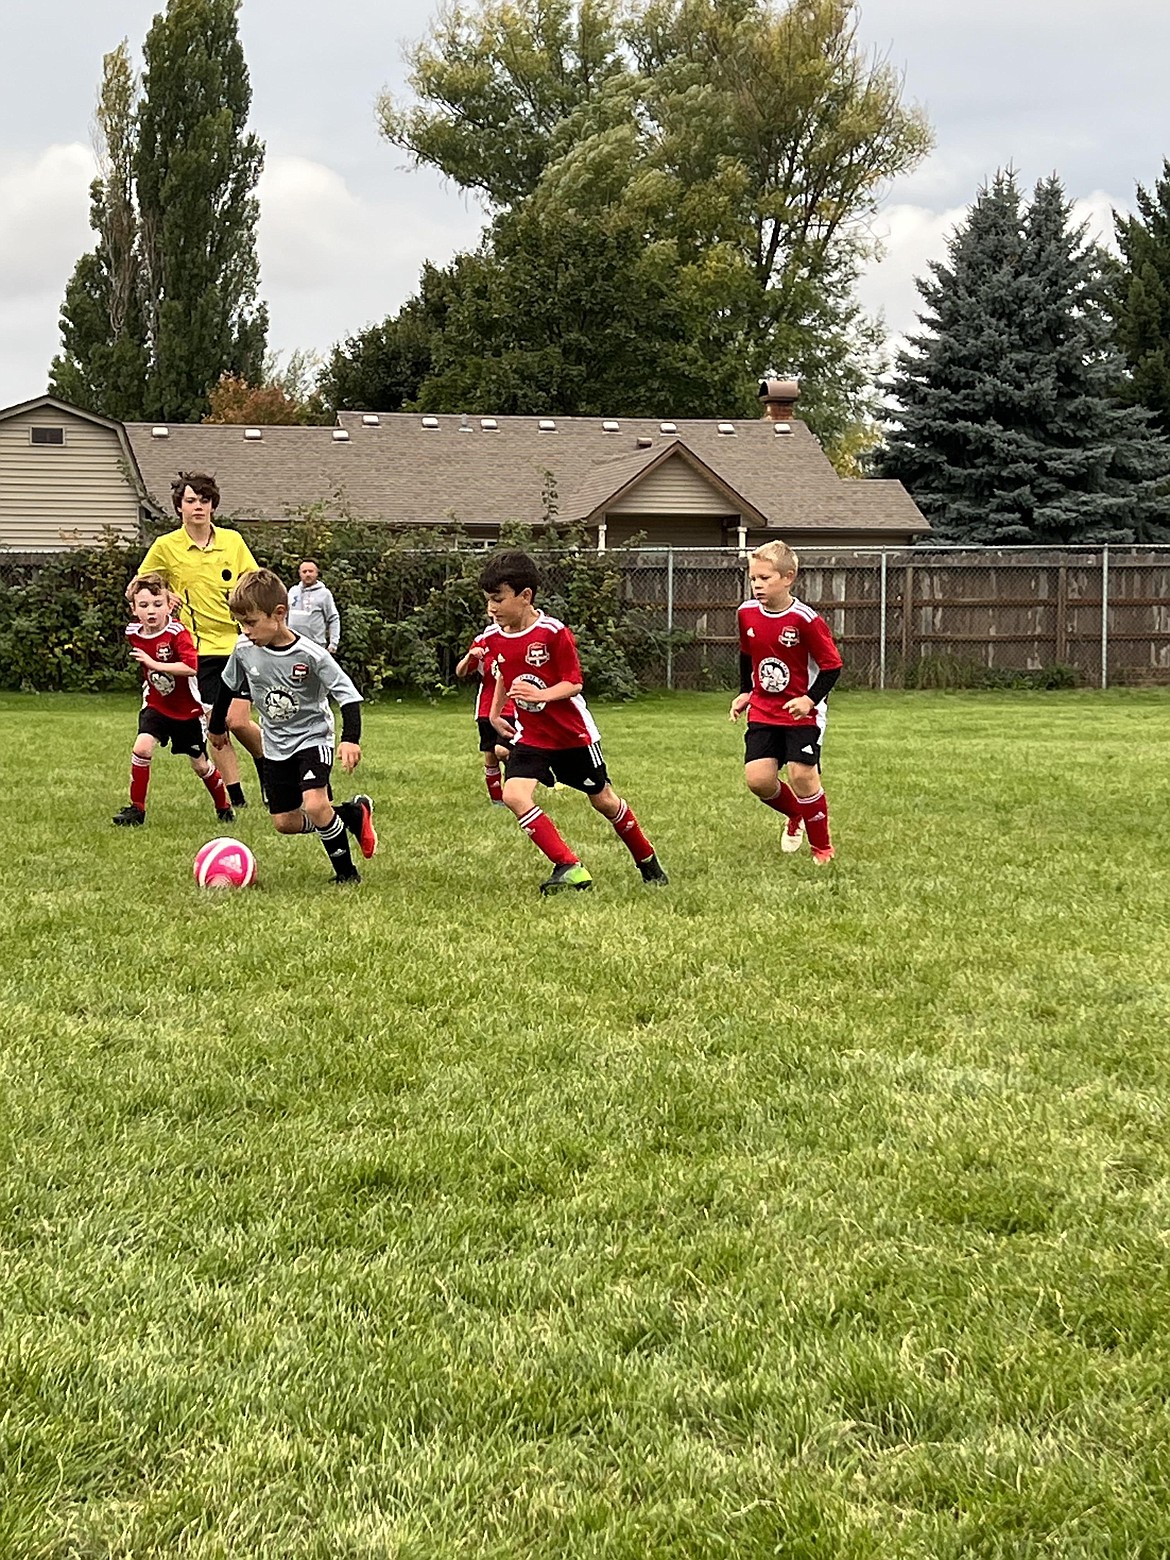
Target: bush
point(410, 604)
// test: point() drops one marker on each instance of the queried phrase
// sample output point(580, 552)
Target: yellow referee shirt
point(203, 578)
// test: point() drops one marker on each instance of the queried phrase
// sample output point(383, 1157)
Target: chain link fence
point(904, 617)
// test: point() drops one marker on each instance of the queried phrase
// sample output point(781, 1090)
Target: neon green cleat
point(568, 875)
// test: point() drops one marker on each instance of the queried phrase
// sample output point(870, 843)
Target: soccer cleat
point(226, 814)
point(346, 879)
point(822, 858)
point(130, 817)
point(357, 815)
point(652, 872)
point(568, 874)
point(793, 835)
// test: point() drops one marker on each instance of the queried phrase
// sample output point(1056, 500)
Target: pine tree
point(165, 304)
point(1143, 299)
point(1007, 430)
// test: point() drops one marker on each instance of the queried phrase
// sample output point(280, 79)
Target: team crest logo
point(789, 637)
point(164, 653)
point(279, 705)
point(536, 655)
point(772, 675)
point(300, 671)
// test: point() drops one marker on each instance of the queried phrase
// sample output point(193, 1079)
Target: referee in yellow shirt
point(202, 563)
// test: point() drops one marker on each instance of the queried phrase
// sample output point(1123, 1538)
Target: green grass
point(782, 1213)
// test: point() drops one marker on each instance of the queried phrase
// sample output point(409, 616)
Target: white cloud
point(333, 261)
point(44, 229)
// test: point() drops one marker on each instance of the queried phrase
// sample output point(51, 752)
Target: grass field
point(781, 1213)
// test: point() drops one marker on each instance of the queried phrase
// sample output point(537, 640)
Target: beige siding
point(673, 489)
point(667, 531)
point(57, 496)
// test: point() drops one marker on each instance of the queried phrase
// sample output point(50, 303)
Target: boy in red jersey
point(788, 663)
point(491, 744)
point(170, 711)
point(533, 660)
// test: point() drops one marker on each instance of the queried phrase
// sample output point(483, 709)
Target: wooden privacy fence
point(928, 617)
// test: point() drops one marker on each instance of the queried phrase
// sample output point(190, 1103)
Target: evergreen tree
point(1008, 431)
point(1142, 322)
point(167, 302)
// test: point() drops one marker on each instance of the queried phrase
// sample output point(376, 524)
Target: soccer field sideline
point(780, 1212)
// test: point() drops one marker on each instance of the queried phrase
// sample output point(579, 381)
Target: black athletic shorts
point(184, 736)
point(489, 737)
point(287, 779)
point(786, 744)
point(209, 676)
point(582, 768)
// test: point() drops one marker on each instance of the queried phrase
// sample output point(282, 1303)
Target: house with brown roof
point(693, 483)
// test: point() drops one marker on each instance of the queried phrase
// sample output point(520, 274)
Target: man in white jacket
point(312, 610)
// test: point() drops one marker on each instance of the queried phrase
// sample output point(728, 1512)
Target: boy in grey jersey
point(290, 680)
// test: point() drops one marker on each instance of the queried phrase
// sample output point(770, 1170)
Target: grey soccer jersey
point(290, 688)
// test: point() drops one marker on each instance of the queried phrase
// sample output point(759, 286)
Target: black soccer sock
point(236, 792)
point(336, 843)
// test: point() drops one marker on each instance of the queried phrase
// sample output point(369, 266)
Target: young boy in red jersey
point(491, 744)
point(533, 660)
point(788, 663)
point(171, 711)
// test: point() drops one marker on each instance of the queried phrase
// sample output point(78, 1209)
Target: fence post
point(670, 617)
point(882, 627)
point(1105, 616)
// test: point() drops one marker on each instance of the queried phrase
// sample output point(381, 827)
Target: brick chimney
point(779, 397)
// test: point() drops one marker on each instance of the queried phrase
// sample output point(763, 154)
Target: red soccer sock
point(815, 812)
point(626, 828)
point(495, 784)
point(139, 781)
point(543, 833)
point(213, 780)
point(783, 801)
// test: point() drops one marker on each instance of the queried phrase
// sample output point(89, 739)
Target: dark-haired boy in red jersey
point(476, 663)
point(788, 663)
point(534, 661)
point(170, 710)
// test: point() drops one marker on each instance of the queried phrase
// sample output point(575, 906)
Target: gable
point(672, 488)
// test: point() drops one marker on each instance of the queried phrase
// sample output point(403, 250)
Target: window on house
point(46, 436)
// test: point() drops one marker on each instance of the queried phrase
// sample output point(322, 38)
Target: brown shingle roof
point(402, 472)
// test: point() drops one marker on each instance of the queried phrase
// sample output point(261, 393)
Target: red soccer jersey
point(787, 650)
point(487, 677)
point(173, 696)
point(545, 653)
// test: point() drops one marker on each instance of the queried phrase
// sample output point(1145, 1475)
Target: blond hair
point(156, 584)
point(779, 555)
point(260, 590)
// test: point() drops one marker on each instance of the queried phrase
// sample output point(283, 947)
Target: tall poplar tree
point(167, 302)
point(1008, 430)
point(103, 366)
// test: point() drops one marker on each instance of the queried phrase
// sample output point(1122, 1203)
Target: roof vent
point(465, 426)
point(784, 429)
point(371, 420)
point(340, 436)
point(644, 443)
point(160, 432)
point(726, 428)
point(430, 422)
point(668, 428)
point(546, 425)
point(610, 427)
point(253, 433)
point(488, 424)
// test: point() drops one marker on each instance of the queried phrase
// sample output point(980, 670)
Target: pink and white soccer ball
point(225, 863)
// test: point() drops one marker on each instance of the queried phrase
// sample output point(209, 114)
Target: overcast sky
point(1067, 86)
